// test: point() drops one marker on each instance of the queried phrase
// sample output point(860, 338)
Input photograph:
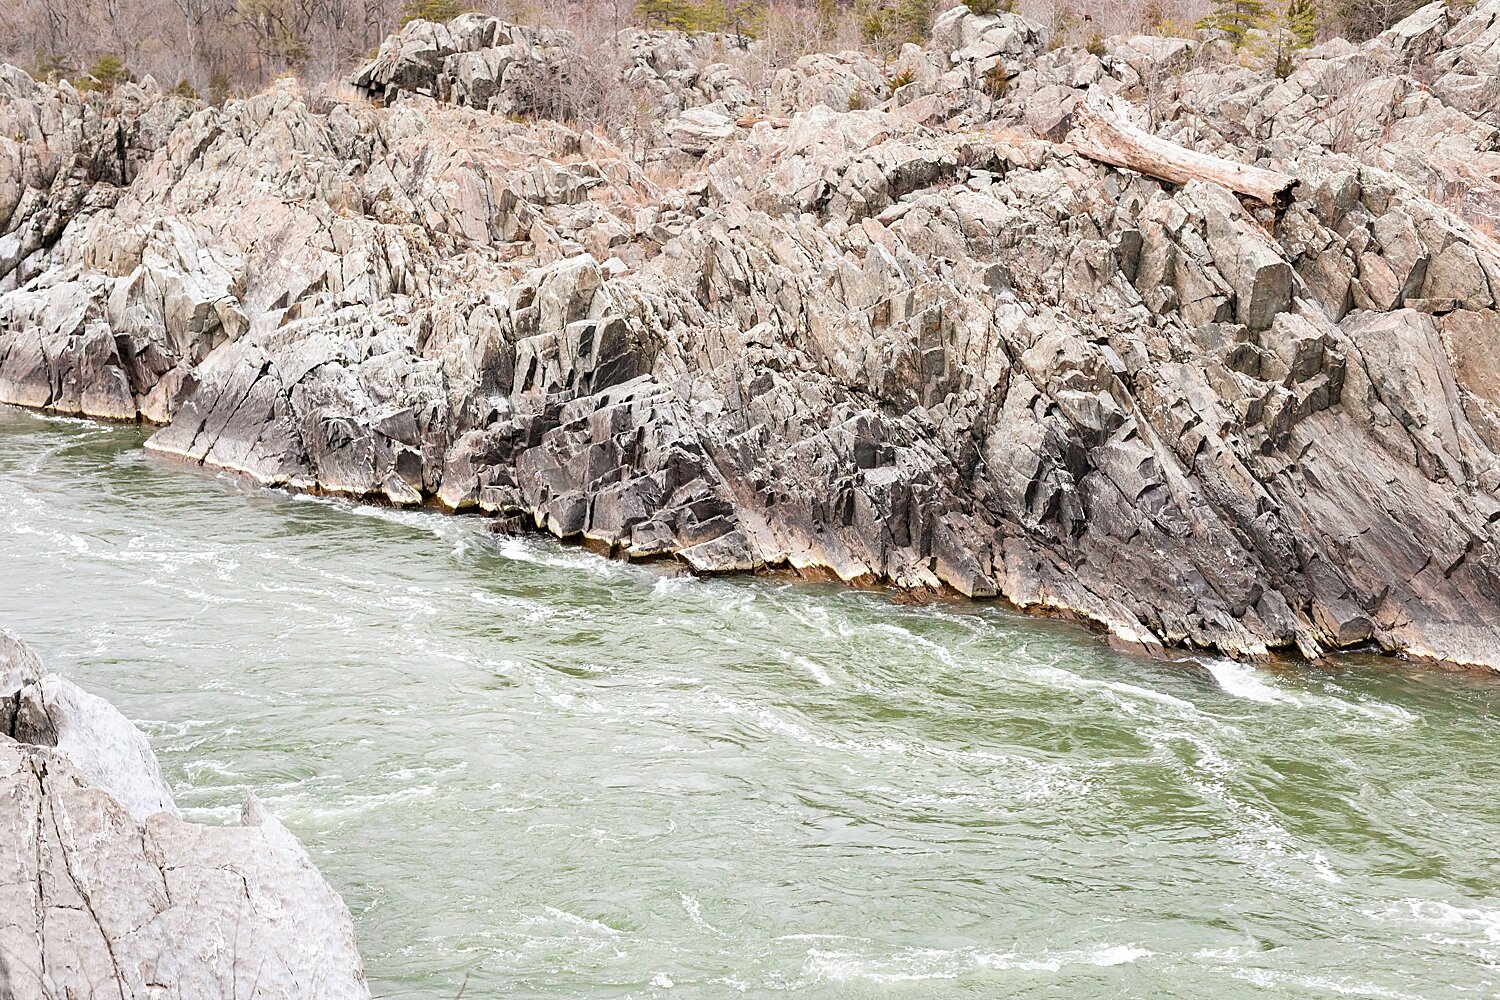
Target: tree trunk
point(1103, 132)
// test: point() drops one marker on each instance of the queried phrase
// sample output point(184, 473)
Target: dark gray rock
point(916, 341)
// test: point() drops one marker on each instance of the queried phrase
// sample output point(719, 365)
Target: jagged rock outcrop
point(106, 891)
point(923, 341)
point(484, 62)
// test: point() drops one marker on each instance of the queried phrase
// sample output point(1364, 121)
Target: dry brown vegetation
point(216, 48)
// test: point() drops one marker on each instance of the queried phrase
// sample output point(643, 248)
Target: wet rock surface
point(106, 891)
point(892, 327)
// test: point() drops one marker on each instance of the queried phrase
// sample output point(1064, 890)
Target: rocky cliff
point(106, 891)
point(883, 321)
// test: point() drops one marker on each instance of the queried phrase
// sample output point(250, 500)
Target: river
point(534, 772)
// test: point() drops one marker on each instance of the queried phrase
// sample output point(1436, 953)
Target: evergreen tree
point(107, 73)
point(52, 66)
point(1294, 27)
point(1302, 21)
point(744, 18)
point(894, 22)
point(1235, 19)
point(440, 11)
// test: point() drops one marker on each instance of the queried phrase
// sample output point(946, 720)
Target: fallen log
point(751, 120)
point(1103, 131)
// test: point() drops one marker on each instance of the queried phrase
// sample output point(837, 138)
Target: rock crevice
point(106, 890)
point(892, 327)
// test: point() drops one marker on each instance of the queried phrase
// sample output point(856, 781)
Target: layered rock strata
point(884, 322)
point(107, 891)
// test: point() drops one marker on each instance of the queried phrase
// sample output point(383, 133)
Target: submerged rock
point(107, 891)
point(898, 329)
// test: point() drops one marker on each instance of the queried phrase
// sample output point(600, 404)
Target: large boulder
point(106, 890)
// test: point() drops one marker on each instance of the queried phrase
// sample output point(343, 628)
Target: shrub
point(893, 22)
point(1174, 28)
point(1095, 44)
point(995, 82)
point(1235, 19)
point(745, 18)
point(51, 67)
point(986, 7)
point(218, 87)
point(1364, 19)
point(1063, 22)
point(107, 73)
point(438, 11)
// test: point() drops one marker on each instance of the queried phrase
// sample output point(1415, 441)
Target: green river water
point(547, 774)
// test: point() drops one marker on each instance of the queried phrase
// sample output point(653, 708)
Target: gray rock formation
point(106, 891)
point(901, 334)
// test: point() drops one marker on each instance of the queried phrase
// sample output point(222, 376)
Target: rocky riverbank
point(108, 891)
point(880, 320)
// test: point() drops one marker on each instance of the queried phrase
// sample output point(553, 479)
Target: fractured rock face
point(910, 337)
point(105, 891)
point(45, 710)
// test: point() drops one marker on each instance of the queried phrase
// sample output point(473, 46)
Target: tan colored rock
point(910, 338)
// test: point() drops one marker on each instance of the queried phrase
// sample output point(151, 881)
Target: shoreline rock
point(914, 338)
point(104, 882)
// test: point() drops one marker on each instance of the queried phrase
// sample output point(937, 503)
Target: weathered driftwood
point(1103, 131)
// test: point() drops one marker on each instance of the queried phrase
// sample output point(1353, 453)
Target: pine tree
point(52, 66)
point(894, 22)
point(1235, 19)
point(439, 11)
point(107, 73)
point(1294, 27)
point(915, 19)
point(745, 18)
point(674, 14)
point(1302, 20)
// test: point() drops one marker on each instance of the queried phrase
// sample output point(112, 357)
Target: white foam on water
point(1020, 778)
point(537, 552)
point(311, 804)
point(767, 720)
point(444, 527)
point(1244, 681)
point(695, 914)
point(210, 815)
point(1276, 981)
point(583, 923)
point(1257, 837)
point(1473, 928)
point(1025, 667)
point(97, 428)
point(819, 674)
point(200, 765)
point(1485, 920)
point(672, 584)
point(924, 964)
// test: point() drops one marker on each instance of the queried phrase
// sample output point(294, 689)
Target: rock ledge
point(106, 891)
